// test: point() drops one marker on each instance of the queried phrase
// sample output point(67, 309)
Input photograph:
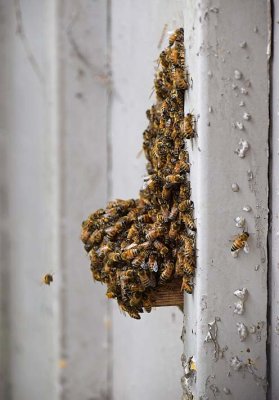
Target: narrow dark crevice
point(270, 198)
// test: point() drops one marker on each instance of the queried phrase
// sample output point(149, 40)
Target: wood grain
point(169, 294)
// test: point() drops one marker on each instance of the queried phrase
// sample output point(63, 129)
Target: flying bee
point(129, 254)
point(188, 221)
point(240, 241)
point(174, 230)
point(166, 273)
point(189, 126)
point(185, 205)
point(187, 285)
point(47, 279)
point(152, 263)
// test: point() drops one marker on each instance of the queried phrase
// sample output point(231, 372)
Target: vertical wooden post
point(227, 51)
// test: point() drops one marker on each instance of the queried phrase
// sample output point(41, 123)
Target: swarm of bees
point(136, 245)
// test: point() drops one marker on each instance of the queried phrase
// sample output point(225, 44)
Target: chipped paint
point(240, 222)
point(239, 305)
point(235, 187)
point(212, 337)
point(236, 364)
point(237, 74)
point(243, 147)
point(247, 208)
point(247, 116)
point(242, 331)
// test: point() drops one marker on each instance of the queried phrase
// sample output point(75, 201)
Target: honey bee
point(166, 273)
point(177, 36)
point(173, 180)
point(163, 250)
point(132, 232)
point(187, 285)
point(114, 256)
point(188, 267)
point(173, 212)
point(136, 299)
point(185, 205)
point(189, 126)
point(188, 246)
point(129, 254)
point(179, 79)
point(96, 237)
point(184, 192)
point(139, 260)
point(240, 241)
point(188, 221)
point(181, 167)
point(146, 278)
point(47, 279)
point(152, 263)
point(128, 309)
point(174, 230)
point(156, 232)
point(147, 304)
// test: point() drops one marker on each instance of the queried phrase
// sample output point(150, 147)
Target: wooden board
point(170, 294)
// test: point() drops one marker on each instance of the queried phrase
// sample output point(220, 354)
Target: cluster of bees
point(136, 245)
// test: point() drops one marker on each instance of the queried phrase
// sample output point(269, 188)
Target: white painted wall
point(69, 142)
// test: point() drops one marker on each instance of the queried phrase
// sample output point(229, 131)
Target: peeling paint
point(242, 149)
point(237, 74)
point(239, 126)
point(212, 337)
point(240, 222)
point(239, 305)
point(244, 91)
point(242, 331)
point(236, 364)
point(247, 116)
point(247, 208)
point(243, 44)
point(235, 187)
point(226, 390)
point(241, 104)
